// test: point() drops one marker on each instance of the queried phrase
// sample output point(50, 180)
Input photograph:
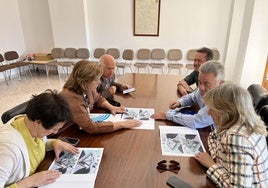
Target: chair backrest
point(82, 53)
point(98, 52)
point(259, 97)
point(158, 54)
point(19, 109)
point(57, 53)
point(191, 54)
point(144, 54)
point(70, 53)
point(128, 54)
point(11, 55)
point(174, 54)
point(1, 58)
point(114, 52)
point(216, 54)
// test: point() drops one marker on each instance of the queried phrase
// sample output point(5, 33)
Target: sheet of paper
point(180, 141)
point(77, 170)
point(142, 114)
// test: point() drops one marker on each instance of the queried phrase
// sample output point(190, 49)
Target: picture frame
point(146, 17)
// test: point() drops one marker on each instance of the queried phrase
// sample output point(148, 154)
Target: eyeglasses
point(173, 166)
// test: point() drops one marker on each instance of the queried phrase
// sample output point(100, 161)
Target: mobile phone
point(129, 90)
point(176, 182)
point(73, 141)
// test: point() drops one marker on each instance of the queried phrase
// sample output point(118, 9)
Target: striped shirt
point(241, 159)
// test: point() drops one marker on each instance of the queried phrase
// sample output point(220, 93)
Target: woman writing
point(80, 91)
point(23, 144)
point(238, 150)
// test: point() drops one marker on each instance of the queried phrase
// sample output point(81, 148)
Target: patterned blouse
point(241, 159)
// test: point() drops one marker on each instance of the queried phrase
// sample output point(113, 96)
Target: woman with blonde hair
point(238, 150)
point(81, 94)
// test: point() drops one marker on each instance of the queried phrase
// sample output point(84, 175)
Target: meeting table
point(130, 156)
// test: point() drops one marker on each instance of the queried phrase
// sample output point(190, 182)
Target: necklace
point(86, 102)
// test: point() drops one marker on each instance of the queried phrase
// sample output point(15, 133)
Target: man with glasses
point(211, 75)
point(202, 55)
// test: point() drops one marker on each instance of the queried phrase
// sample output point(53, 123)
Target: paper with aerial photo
point(142, 114)
point(77, 170)
point(180, 141)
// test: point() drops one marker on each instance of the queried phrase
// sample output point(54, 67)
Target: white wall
point(11, 34)
point(183, 24)
point(237, 28)
point(257, 48)
point(68, 23)
point(36, 25)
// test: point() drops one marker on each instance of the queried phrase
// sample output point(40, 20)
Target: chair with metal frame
point(58, 55)
point(143, 56)
point(98, 52)
point(82, 53)
point(68, 60)
point(157, 56)
point(4, 68)
point(128, 56)
point(12, 58)
point(174, 56)
point(190, 57)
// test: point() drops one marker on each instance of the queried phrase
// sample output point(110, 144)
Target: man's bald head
point(108, 64)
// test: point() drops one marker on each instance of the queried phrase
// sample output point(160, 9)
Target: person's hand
point(174, 104)
point(205, 159)
point(182, 90)
point(117, 110)
point(40, 178)
point(160, 115)
point(112, 90)
point(60, 146)
point(128, 124)
point(125, 86)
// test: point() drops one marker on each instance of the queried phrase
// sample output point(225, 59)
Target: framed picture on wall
point(146, 17)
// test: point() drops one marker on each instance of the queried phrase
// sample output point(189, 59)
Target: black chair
point(17, 110)
point(20, 109)
point(260, 101)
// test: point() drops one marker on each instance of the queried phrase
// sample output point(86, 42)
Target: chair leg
point(5, 77)
point(29, 69)
point(18, 72)
point(58, 69)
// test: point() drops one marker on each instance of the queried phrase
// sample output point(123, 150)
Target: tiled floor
point(20, 91)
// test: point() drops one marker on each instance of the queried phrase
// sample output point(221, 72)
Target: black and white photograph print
point(180, 141)
point(142, 114)
point(86, 162)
